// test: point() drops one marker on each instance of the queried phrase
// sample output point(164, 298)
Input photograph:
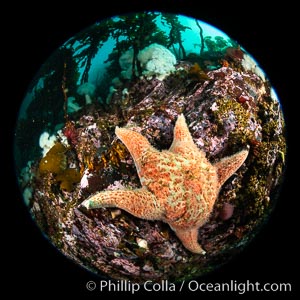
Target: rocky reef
point(226, 109)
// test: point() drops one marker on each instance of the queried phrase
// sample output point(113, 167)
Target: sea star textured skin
point(179, 185)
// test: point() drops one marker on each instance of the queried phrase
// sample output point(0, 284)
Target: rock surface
point(226, 111)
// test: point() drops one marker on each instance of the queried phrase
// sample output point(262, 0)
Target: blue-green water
point(190, 38)
point(92, 56)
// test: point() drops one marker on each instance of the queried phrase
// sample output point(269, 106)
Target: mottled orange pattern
point(179, 186)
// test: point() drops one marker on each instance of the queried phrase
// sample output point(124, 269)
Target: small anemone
point(70, 132)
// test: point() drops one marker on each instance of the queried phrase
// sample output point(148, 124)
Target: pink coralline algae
point(223, 115)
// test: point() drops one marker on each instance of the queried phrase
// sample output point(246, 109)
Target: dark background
point(32, 32)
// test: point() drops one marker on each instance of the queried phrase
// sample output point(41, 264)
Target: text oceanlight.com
point(193, 286)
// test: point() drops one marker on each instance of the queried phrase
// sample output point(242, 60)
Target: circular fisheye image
point(150, 146)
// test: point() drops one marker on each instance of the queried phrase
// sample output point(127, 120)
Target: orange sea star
point(179, 185)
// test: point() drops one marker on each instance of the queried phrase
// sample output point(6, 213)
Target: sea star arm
point(136, 144)
point(140, 202)
point(189, 238)
point(181, 131)
point(182, 141)
point(227, 166)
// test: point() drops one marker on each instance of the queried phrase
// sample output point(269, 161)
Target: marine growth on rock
point(157, 150)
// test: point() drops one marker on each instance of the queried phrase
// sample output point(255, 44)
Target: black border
point(33, 32)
